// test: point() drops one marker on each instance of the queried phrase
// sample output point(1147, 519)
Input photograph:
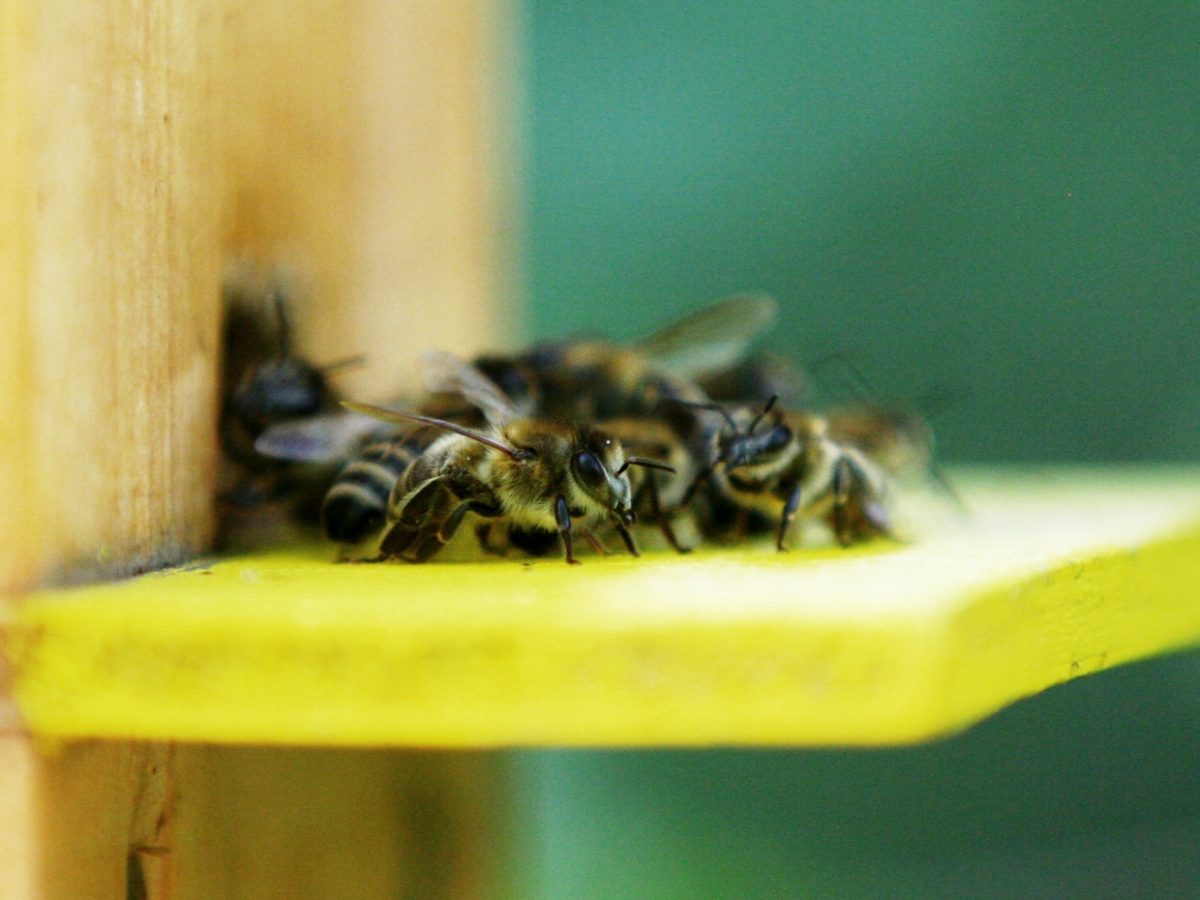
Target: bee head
point(277, 390)
point(750, 447)
point(598, 468)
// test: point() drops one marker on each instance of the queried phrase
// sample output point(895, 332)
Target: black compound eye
point(590, 470)
point(778, 438)
point(598, 442)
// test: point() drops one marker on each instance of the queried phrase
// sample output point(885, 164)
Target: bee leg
point(562, 516)
point(660, 517)
point(843, 474)
point(789, 513)
point(396, 539)
point(409, 525)
point(594, 542)
point(627, 538)
point(741, 525)
point(690, 493)
point(483, 533)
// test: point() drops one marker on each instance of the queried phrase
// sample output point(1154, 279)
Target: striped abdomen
point(356, 505)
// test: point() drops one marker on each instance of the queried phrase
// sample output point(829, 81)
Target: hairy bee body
point(534, 481)
point(801, 467)
point(897, 439)
point(535, 475)
point(355, 506)
point(646, 392)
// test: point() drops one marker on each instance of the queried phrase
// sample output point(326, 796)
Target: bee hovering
point(537, 475)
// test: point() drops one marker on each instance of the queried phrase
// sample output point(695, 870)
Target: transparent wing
point(712, 339)
point(403, 418)
point(446, 373)
point(323, 438)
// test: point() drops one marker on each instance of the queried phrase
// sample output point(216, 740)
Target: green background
point(999, 197)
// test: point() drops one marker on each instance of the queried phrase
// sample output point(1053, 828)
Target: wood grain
point(114, 187)
point(191, 822)
point(146, 146)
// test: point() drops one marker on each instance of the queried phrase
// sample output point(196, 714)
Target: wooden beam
point(358, 146)
point(114, 820)
point(111, 192)
point(143, 147)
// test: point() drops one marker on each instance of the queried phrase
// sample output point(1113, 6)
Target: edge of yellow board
point(1057, 573)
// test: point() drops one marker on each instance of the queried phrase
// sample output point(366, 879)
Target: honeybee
point(268, 386)
point(355, 506)
point(597, 380)
point(760, 374)
point(537, 475)
point(265, 382)
point(564, 382)
point(794, 466)
point(660, 491)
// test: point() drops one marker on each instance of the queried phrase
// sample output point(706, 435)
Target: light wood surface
point(111, 190)
point(360, 149)
point(104, 819)
point(145, 148)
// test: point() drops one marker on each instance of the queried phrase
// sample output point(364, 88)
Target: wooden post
point(143, 149)
point(110, 187)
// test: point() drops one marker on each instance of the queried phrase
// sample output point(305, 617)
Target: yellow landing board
point(1056, 574)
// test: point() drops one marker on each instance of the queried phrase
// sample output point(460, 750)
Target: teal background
point(1001, 197)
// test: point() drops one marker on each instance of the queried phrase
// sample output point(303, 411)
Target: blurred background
point(1003, 198)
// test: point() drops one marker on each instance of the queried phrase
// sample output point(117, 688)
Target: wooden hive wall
point(145, 147)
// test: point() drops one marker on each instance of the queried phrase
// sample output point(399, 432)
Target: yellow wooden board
point(1056, 574)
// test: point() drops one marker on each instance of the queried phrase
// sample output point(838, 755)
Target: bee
point(355, 506)
point(761, 374)
point(564, 382)
point(535, 474)
point(268, 387)
point(794, 466)
point(647, 392)
point(265, 382)
point(659, 491)
point(594, 380)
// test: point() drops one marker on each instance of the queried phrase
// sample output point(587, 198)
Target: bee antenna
point(766, 409)
point(646, 463)
point(712, 407)
point(388, 415)
point(285, 331)
point(345, 363)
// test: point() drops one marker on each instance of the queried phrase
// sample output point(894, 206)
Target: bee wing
point(402, 418)
point(446, 373)
point(322, 438)
point(711, 339)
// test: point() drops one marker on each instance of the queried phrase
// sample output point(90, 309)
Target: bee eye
point(779, 438)
point(589, 469)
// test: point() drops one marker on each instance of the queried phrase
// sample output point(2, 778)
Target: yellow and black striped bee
point(567, 382)
point(597, 380)
point(534, 474)
point(840, 467)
